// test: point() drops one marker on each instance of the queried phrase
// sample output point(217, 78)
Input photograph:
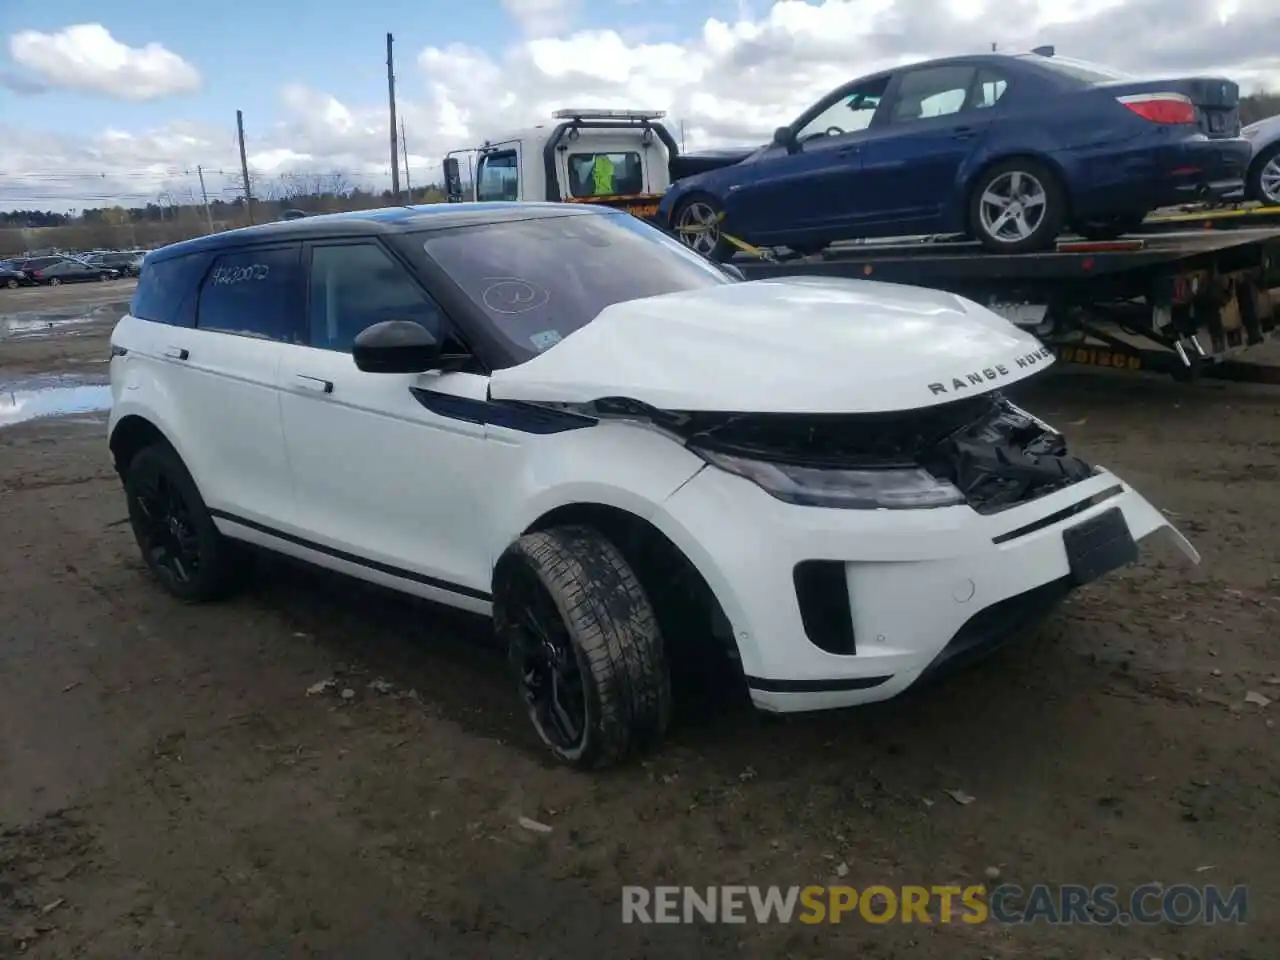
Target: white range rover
point(560, 416)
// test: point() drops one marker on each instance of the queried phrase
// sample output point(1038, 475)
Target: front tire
point(1264, 177)
point(11, 283)
point(584, 639)
point(180, 544)
point(699, 222)
point(1017, 206)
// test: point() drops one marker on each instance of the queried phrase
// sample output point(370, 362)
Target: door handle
point(177, 353)
point(847, 151)
point(964, 133)
point(314, 383)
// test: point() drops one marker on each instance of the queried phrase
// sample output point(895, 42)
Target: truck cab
point(617, 158)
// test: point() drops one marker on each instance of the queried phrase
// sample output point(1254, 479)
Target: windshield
point(537, 281)
point(1078, 69)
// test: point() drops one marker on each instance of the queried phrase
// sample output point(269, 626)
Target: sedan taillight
point(1172, 108)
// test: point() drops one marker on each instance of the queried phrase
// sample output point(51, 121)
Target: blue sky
point(245, 56)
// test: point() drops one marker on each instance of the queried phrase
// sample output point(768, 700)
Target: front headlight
point(894, 488)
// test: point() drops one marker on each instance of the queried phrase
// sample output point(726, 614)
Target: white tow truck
point(618, 158)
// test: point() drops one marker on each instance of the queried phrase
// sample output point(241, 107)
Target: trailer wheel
point(697, 222)
point(1017, 206)
point(584, 639)
point(1263, 183)
point(1109, 228)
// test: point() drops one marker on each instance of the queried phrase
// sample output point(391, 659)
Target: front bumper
point(927, 589)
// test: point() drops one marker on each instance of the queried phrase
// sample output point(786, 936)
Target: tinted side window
point(355, 285)
point(498, 177)
point(166, 291)
point(989, 89)
point(253, 293)
point(931, 92)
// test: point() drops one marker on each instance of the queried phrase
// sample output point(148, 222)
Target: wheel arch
point(132, 433)
point(1044, 159)
point(700, 638)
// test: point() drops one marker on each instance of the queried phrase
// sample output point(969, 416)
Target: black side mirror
point(452, 180)
point(395, 346)
point(785, 138)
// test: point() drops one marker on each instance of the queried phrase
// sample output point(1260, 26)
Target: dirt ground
point(168, 787)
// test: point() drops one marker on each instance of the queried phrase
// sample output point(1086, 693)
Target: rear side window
point(605, 174)
point(166, 291)
point(254, 293)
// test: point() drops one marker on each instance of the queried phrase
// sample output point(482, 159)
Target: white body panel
point(362, 477)
point(794, 345)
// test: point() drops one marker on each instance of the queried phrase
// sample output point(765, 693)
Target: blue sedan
point(1008, 149)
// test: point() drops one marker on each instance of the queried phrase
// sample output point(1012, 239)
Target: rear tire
point(1017, 206)
point(180, 544)
point(1263, 183)
point(1110, 228)
point(55, 282)
point(698, 223)
point(584, 639)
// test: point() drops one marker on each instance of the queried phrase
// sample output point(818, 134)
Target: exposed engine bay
point(995, 453)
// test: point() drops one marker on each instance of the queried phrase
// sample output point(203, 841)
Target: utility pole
point(391, 99)
point(208, 214)
point(404, 147)
point(244, 167)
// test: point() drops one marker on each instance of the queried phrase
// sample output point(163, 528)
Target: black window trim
point(231, 250)
point(490, 155)
point(454, 328)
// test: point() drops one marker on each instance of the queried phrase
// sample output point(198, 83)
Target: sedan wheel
point(698, 225)
point(55, 282)
point(1265, 178)
point(1016, 207)
point(11, 283)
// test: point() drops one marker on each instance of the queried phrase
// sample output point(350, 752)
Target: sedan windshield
point(537, 281)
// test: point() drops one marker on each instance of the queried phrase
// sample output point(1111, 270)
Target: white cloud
point(88, 59)
point(731, 82)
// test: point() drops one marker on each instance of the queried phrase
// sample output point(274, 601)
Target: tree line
point(181, 214)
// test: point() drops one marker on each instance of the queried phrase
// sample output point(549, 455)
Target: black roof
point(362, 223)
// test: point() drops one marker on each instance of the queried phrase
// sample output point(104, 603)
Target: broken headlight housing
point(871, 488)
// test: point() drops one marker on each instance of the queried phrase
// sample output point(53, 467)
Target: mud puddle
point(38, 398)
point(73, 320)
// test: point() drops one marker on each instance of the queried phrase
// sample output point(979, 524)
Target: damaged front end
point(981, 451)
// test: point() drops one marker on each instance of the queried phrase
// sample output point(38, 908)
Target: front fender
point(621, 464)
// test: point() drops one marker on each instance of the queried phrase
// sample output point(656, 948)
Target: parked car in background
point(11, 275)
point(65, 270)
point(1009, 149)
point(128, 262)
point(1263, 180)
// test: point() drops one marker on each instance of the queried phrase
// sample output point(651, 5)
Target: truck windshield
point(537, 281)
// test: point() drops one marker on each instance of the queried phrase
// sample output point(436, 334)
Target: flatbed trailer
point(1186, 303)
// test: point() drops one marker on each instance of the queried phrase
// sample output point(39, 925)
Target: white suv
point(559, 415)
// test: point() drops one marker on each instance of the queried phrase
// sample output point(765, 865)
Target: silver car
point(1263, 180)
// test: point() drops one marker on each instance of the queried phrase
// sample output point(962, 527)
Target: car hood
point(793, 345)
